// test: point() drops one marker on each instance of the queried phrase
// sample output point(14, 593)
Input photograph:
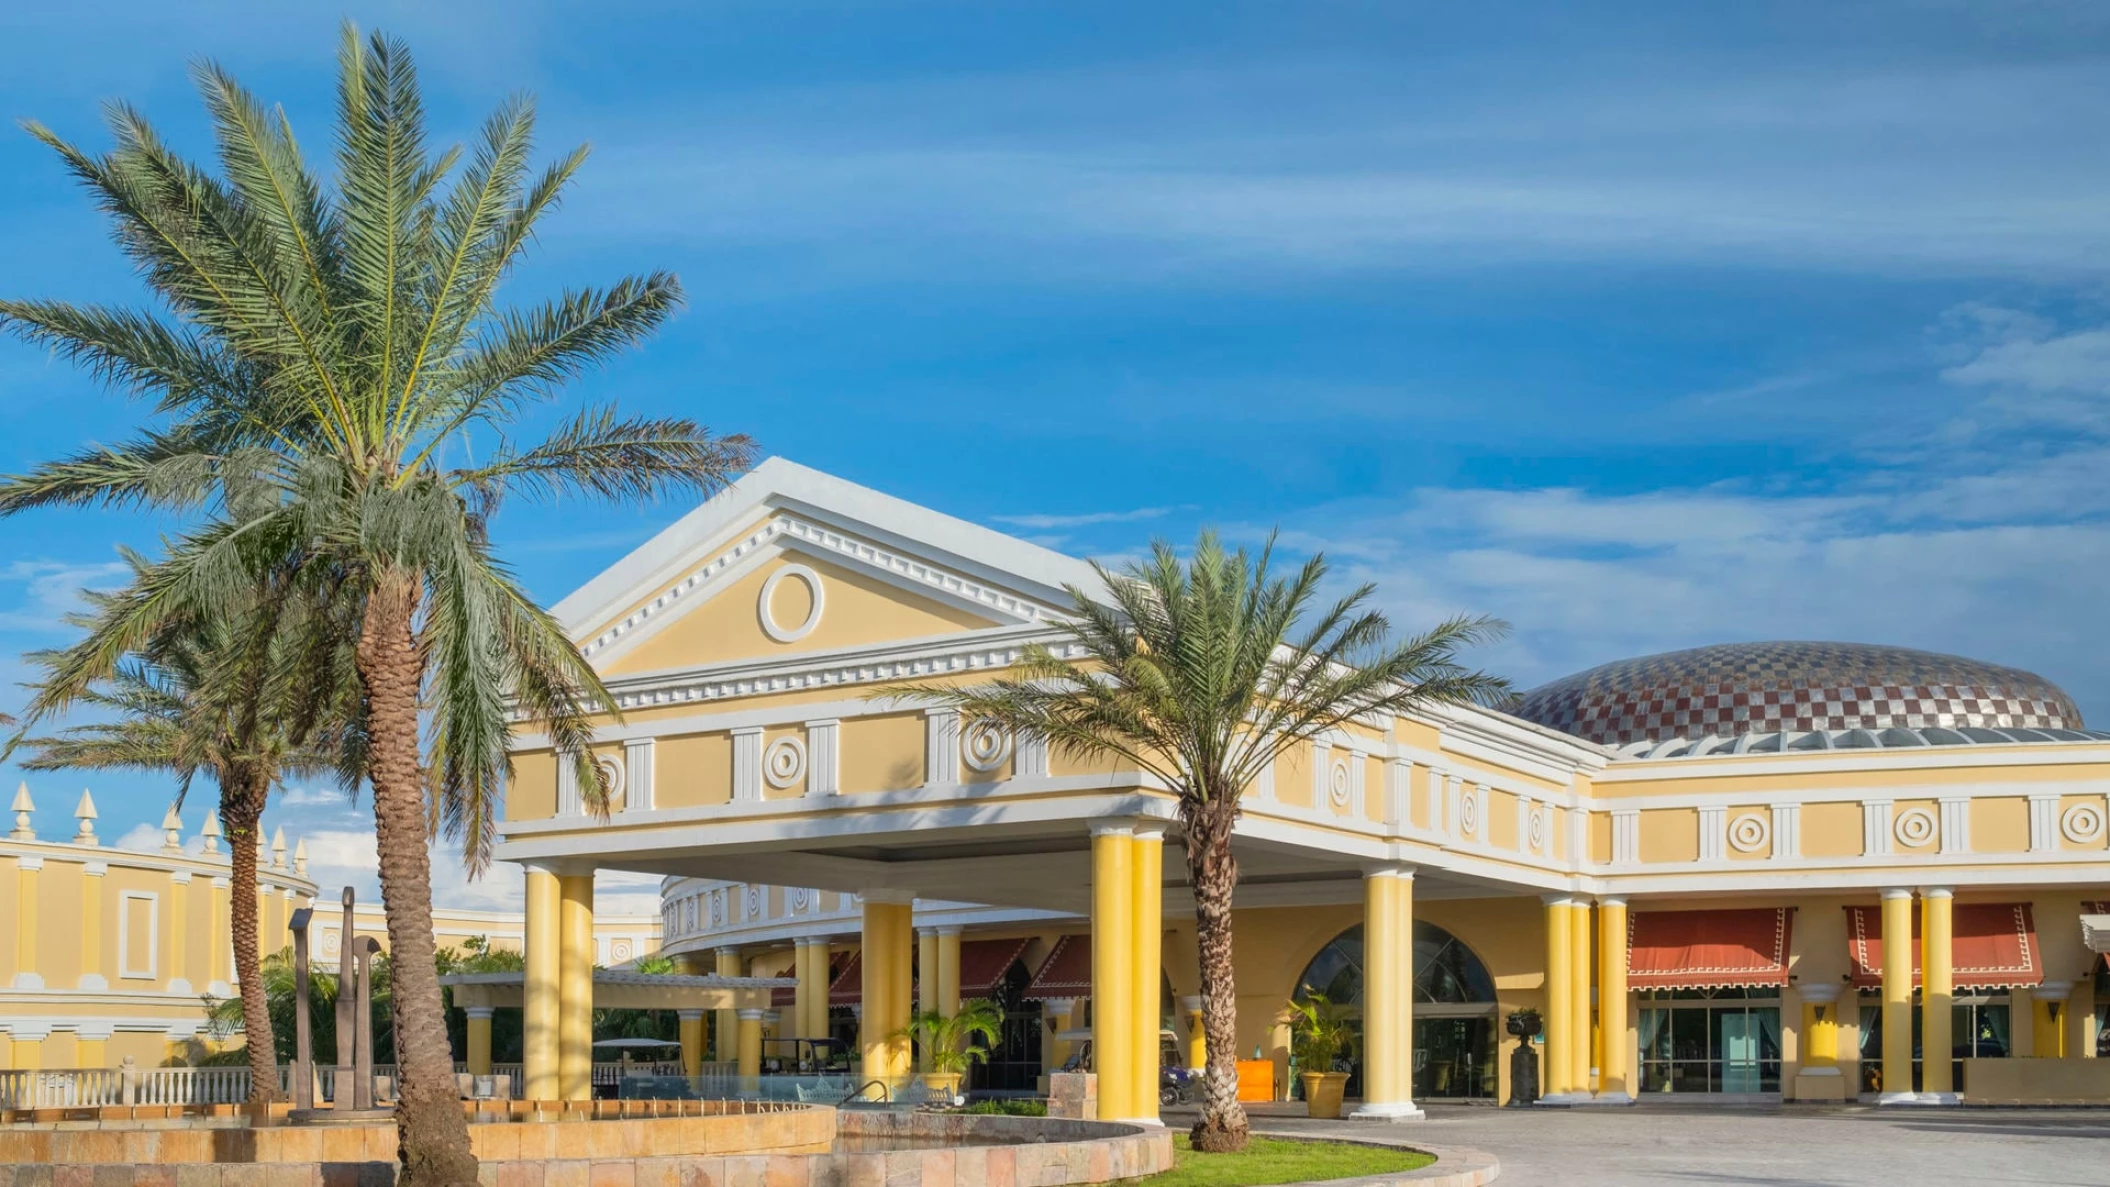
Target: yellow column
point(1147, 969)
point(691, 1041)
point(2048, 1002)
point(1113, 968)
point(540, 990)
point(926, 982)
point(1388, 993)
point(1582, 1047)
point(575, 987)
point(219, 936)
point(1618, 1057)
point(725, 1045)
point(178, 932)
point(2080, 1020)
point(1197, 1040)
point(29, 1045)
point(89, 1050)
point(1820, 1029)
point(750, 1044)
point(949, 969)
point(27, 868)
point(889, 942)
point(1897, 995)
point(92, 978)
point(1937, 991)
point(1560, 986)
point(479, 1040)
point(802, 997)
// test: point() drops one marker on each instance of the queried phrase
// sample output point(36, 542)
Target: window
point(1710, 1041)
point(138, 933)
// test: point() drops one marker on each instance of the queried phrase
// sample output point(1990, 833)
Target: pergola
point(688, 995)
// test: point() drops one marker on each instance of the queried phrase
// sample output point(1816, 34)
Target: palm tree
point(1202, 673)
point(340, 388)
point(249, 696)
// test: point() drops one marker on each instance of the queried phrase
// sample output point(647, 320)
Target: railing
point(70, 1088)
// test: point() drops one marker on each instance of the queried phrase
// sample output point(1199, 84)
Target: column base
point(1397, 1110)
point(1889, 1099)
point(1605, 1100)
point(1146, 1122)
point(1562, 1100)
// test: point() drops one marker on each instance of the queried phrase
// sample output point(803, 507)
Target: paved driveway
point(1688, 1146)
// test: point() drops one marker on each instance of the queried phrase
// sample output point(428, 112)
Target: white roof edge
point(779, 482)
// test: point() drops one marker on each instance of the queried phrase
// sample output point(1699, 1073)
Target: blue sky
point(1640, 326)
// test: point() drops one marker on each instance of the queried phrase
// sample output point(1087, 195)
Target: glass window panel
point(1688, 1034)
point(1655, 1034)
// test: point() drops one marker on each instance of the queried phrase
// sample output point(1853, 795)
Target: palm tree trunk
point(1213, 873)
point(242, 797)
point(432, 1133)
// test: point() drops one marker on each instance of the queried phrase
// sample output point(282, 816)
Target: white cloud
point(50, 590)
point(1087, 519)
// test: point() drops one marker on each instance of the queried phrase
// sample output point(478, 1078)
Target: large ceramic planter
point(943, 1086)
point(1322, 1093)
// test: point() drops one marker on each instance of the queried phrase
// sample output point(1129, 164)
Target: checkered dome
point(1748, 688)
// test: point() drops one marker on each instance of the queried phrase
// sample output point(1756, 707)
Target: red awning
point(983, 964)
point(1066, 973)
point(848, 988)
point(1746, 946)
point(1994, 946)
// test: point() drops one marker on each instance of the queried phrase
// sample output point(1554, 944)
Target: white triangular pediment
point(887, 569)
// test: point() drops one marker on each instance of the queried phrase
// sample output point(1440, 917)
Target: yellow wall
point(858, 609)
point(883, 753)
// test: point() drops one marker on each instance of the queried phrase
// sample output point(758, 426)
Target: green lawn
point(1273, 1160)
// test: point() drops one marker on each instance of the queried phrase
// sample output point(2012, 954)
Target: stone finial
point(85, 813)
point(172, 832)
point(212, 833)
point(23, 806)
point(278, 849)
point(300, 857)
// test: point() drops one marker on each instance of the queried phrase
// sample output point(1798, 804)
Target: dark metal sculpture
point(354, 1092)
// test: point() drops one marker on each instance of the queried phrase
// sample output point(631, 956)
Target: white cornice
point(876, 663)
point(1984, 754)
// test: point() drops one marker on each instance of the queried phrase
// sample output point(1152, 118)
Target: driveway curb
point(1455, 1166)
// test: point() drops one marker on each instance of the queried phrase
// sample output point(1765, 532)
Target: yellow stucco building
point(1697, 868)
point(108, 954)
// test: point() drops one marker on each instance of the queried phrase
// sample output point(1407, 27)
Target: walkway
point(1691, 1146)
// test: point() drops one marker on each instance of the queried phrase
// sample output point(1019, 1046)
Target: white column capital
point(1058, 1005)
point(1896, 892)
point(1192, 1004)
point(2052, 991)
point(482, 1012)
point(29, 1032)
point(29, 863)
point(1819, 992)
point(1150, 829)
point(1558, 900)
point(1390, 869)
point(95, 1032)
point(1113, 826)
point(1936, 892)
point(751, 1015)
point(690, 1015)
point(1612, 900)
point(94, 869)
point(948, 929)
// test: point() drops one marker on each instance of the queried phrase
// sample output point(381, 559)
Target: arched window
point(1445, 971)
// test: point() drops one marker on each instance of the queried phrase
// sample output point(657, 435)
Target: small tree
point(1201, 673)
point(1322, 1031)
point(951, 1043)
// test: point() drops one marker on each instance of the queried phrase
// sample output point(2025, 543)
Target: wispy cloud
point(1087, 519)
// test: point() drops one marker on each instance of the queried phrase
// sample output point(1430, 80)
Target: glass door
point(1454, 1058)
point(1739, 1047)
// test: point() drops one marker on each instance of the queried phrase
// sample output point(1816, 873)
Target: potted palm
point(951, 1042)
point(1321, 1035)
